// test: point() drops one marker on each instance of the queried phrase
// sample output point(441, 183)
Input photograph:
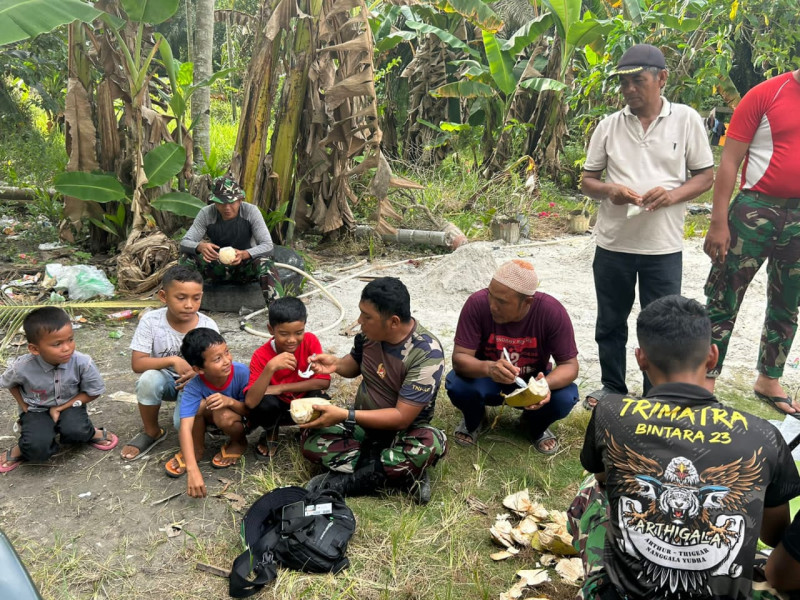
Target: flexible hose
point(245, 326)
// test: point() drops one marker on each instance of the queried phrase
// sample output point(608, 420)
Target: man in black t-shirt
point(689, 484)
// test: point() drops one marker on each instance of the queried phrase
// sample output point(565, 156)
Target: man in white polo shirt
point(647, 151)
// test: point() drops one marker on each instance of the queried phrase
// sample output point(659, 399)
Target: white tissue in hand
point(633, 210)
point(227, 255)
point(302, 410)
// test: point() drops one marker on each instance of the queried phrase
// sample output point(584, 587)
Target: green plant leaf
point(89, 186)
point(179, 203)
point(393, 39)
point(501, 65)
point(163, 162)
point(447, 37)
point(23, 19)
point(464, 89)
point(474, 11)
point(634, 10)
point(541, 84)
point(565, 13)
point(105, 226)
point(584, 33)
point(149, 11)
point(210, 80)
point(527, 34)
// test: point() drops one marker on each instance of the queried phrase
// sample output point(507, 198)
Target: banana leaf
point(89, 186)
point(149, 11)
point(163, 162)
point(23, 19)
point(179, 203)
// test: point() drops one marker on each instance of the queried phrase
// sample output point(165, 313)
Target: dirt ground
point(87, 513)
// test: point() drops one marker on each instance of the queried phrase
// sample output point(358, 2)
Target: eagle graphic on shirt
point(682, 526)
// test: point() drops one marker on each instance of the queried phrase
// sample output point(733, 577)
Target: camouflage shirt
point(410, 372)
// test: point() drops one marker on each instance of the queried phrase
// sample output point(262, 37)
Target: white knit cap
point(519, 275)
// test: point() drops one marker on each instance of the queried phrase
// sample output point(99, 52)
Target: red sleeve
point(258, 361)
point(468, 330)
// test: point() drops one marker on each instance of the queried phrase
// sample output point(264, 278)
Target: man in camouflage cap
point(385, 437)
point(230, 223)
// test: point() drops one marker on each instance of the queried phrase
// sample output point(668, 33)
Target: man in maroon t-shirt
point(531, 327)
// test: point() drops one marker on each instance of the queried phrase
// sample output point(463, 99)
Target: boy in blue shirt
point(52, 385)
point(215, 396)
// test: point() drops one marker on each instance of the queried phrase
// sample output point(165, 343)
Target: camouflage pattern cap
point(226, 191)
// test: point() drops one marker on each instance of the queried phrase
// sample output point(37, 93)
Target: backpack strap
point(258, 559)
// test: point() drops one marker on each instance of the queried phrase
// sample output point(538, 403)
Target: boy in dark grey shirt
point(52, 385)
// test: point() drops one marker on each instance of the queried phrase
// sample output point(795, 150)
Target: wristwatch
point(350, 421)
point(77, 403)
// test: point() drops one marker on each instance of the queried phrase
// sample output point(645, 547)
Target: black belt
point(782, 202)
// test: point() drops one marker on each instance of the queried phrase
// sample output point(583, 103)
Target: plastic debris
point(85, 495)
point(115, 335)
point(52, 246)
point(81, 281)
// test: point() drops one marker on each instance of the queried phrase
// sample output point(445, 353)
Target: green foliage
point(179, 203)
point(149, 11)
point(113, 223)
point(89, 186)
point(212, 165)
point(277, 217)
point(23, 19)
point(47, 206)
point(163, 162)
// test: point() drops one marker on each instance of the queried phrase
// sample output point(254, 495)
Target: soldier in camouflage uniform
point(385, 438)
point(761, 224)
point(230, 222)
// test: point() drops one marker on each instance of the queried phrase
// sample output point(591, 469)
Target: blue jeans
point(156, 386)
point(471, 396)
point(615, 275)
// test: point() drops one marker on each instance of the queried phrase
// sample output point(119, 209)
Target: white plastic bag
point(81, 281)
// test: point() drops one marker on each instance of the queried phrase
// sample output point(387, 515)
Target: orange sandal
point(175, 466)
point(223, 454)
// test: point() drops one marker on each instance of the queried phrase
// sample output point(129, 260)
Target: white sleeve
point(142, 340)
point(596, 154)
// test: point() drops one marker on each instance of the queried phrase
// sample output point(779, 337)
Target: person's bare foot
point(548, 445)
point(771, 388)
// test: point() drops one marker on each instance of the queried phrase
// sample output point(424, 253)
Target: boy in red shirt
point(278, 372)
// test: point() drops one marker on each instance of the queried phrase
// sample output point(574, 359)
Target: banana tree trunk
point(280, 188)
point(546, 138)
point(260, 90)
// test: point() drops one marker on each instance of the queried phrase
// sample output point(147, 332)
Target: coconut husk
point(141, 264)
point(570, 570)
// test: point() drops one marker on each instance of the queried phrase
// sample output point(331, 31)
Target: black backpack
point(292, 528)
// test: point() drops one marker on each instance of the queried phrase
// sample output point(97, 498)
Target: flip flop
point(144, 443)
point(223, 454)
point(776, 401)
point(13, 461)
point(106, 436)
point(272, 448)
point(472, 435)
point(173, 472)
point(547, 435)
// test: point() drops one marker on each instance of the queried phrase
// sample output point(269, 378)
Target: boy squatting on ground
point(684, 485)
point(156, 347)
point(215, 396)
point(52, 385)
point(278, 372)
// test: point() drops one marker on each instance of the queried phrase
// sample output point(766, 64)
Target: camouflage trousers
point(407, 453)
point(760, 232)
point(587, 521)
point(260, 269)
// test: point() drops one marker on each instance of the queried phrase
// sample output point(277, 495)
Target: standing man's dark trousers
point(37, 441)
point(615, 275)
